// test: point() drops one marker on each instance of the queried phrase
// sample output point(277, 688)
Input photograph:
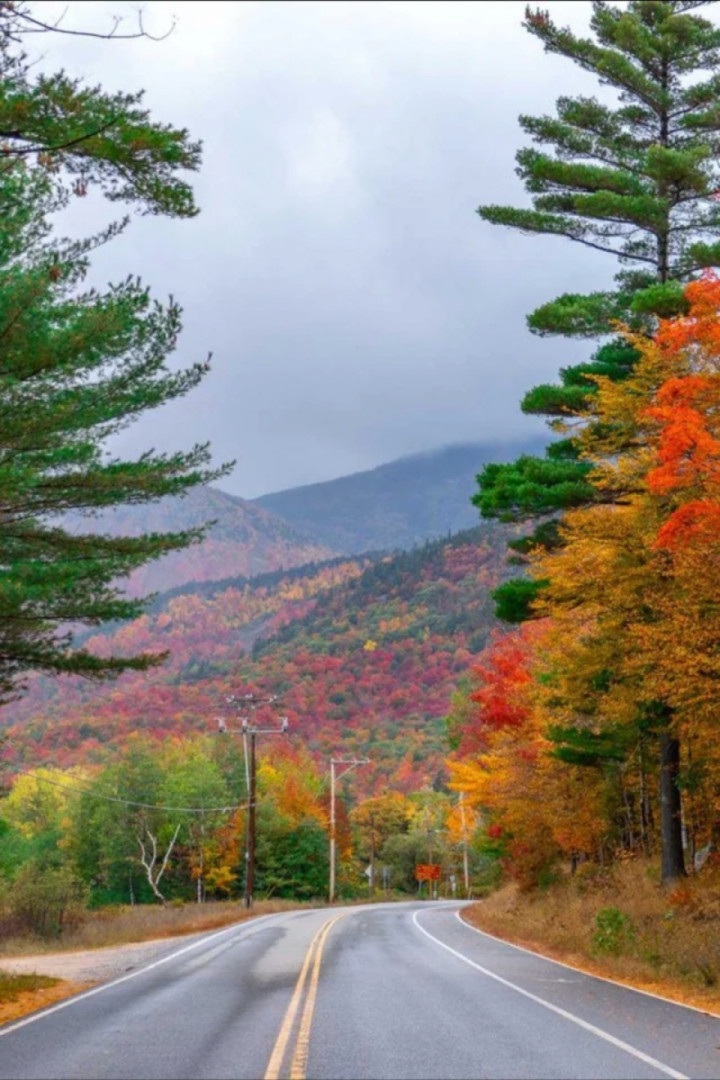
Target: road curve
point(382, 992)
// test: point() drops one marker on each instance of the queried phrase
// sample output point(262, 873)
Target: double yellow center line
point(298, 1063)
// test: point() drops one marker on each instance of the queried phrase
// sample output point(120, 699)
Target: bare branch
point(39, 26)
point(11, 152)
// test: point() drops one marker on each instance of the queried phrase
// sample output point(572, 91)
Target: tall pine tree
point(639, 180)
point(76, 366)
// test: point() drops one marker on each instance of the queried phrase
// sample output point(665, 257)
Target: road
point(383, 992)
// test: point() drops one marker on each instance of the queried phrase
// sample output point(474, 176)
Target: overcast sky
point(356, 306)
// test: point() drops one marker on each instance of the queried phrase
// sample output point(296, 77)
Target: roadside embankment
point(620, 924)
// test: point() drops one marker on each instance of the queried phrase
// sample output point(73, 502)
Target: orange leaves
point(699, 330)
point(688, 452)
point(686, 410)
point(696, 521)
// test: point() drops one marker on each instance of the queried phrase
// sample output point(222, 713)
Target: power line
point(132, 802)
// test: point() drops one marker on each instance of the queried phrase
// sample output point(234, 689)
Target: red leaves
point(502, 671)
point(687, 410)
point(700, 328)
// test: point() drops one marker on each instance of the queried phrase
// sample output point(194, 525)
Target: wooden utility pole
point(252, 827)
point(251, 703)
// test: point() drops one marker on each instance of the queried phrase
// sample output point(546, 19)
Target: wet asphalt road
point(384, 992)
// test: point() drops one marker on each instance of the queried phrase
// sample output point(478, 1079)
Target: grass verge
point(621, 925)
point(23, 994)
point(12, 985)
point(127, 925)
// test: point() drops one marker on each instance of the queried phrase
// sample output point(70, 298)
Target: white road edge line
point(582, 971)
point(556, 1009)
point(40, 1015)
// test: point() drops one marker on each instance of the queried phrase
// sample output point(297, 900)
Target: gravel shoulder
point(95, 965)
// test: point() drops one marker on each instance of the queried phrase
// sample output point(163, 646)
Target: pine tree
point(77, 366)
point(638, 180)
point(93, 139)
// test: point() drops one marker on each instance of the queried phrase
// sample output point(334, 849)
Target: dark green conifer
point(638, 179)
point(77, 366)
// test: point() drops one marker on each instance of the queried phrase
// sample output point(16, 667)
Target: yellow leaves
point(383, 815)
point(398, 622)
point(462, 821)
point(220, 879)
point(290, 781)
point(39, 802)
point(370, 645)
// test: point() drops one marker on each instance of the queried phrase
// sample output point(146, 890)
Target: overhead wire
point(132, 802)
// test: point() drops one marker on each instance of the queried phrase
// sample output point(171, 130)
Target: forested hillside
point(245, 540)
point(365, 653)
point(396, 505)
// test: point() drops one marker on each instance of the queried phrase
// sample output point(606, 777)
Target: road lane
point(688, 1037)
point(212, 1012)
point(411, 1009)
point(377, 996)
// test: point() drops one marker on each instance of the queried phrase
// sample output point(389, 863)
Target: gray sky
point(356, 306)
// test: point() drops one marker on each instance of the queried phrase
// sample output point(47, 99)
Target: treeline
point(593, 728)
point(166, 822)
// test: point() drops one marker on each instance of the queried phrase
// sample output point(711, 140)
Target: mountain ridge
point(398, 504)
point(244, 541)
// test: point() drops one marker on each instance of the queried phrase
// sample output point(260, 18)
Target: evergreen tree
point(638, 180)
point(106, 141)
point(77, 366)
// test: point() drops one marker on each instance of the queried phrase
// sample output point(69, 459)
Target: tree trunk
point(149, 863)
point(673, 860)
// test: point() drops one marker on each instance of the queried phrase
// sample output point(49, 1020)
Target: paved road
point(389, 992)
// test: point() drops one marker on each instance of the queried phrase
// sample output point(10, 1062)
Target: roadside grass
point(124, 925)
point(620, 924)
point(11, 985)
point(23, 994)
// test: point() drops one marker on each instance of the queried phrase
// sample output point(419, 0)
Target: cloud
point(356, 306)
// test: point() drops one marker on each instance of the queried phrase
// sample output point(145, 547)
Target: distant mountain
point(398, 505)
point(246, 540)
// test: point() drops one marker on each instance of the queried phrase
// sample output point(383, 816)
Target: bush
point(46, 902)
point(615, 932)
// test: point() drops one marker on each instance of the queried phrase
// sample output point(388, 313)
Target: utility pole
point(249, 703)
point(349, 763)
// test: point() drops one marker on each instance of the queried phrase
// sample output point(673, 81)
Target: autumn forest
point(529, 705)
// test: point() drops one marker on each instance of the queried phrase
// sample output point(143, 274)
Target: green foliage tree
point(45, 901)
point(77, 366)
point(292, 860)
point(193, 778)
point(102, 840)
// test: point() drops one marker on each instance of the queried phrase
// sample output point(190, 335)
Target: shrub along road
point(396, 991)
